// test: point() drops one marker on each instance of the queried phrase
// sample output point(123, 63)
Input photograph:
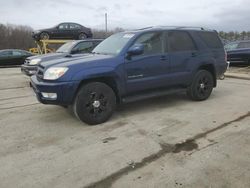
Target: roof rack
point(191, 27)
point(178, 27)
point(199, 28)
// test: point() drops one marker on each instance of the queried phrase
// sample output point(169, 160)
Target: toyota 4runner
point(133, 65)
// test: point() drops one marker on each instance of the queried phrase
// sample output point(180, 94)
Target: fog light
point(52, 96)
point(32, 72)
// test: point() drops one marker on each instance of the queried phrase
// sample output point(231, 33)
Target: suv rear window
point(180, 41)
point(211, 39)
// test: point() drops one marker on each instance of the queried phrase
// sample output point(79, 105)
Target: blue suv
point(133, 65)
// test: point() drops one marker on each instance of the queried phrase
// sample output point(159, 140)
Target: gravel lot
point(163, 142)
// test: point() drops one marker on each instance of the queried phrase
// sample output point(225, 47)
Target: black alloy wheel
point(94, 103)
point(201, 86)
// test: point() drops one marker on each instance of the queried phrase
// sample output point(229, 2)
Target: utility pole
point(106, 23)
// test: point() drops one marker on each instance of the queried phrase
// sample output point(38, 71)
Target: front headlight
point(54, 73)
point(34, 61)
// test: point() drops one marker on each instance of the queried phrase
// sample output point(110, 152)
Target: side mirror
point(136, 49)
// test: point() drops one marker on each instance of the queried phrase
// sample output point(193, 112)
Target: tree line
point(16, 37)
point(235, 35)
point(20, 36)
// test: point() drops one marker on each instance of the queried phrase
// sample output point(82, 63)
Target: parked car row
point(12, 57)
point(130, 66)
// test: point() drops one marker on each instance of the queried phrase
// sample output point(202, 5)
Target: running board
point(151, 94)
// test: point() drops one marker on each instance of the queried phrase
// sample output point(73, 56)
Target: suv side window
point(211, 39)
point(153, 43)
point(63, 26)
point(83, 47)
point(180, 41)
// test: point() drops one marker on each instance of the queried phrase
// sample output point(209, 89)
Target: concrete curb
point(237, 76)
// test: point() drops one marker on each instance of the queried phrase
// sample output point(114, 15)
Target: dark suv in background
point(67, 30)
point(238, 52)
point(74, 47)
point(130, 66)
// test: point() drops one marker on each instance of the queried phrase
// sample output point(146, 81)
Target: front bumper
point(65, 91)
point(28, 70)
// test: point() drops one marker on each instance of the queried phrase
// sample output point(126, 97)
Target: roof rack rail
point(145, 28)
point(199, 28)
point(191, 27)
point(179, 27)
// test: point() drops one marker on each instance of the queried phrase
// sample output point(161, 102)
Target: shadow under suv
point(73, 47)
point(130, 66)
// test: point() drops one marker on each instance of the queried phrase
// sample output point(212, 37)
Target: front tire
point(201, 87)
point(94, 103)
point(44, 36)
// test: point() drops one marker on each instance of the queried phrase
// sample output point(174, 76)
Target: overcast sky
point(216, 14)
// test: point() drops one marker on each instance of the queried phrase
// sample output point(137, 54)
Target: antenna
point(106, 23)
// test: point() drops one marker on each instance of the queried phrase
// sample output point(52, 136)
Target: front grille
point(39, 72)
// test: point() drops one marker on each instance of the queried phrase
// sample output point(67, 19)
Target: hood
point(76, 60)
point(240, 50)
point(46, 57)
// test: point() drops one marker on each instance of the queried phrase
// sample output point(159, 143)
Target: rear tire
point(82, 36)
point(94, 103)
point(201, 87)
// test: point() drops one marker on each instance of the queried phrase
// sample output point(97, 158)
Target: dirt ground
point(241, 70)
point(163, 142)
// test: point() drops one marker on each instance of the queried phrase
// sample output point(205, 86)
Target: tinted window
point(63, 26)
point(180, 41)
point(211, 39)
point(244, 45)
point(74, 26)
point(96, 43)
point(5, 53)
point(83, 47)
point(17, 53)
point(26, 53)
point(65, 48)
point(153, 43)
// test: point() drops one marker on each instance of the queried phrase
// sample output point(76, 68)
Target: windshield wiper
point(100, 53)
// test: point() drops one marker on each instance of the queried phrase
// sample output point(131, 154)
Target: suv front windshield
point(113, 44)
point(66, 47)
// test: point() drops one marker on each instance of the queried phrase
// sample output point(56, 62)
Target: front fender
point(102, 72)
point(93, 72)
